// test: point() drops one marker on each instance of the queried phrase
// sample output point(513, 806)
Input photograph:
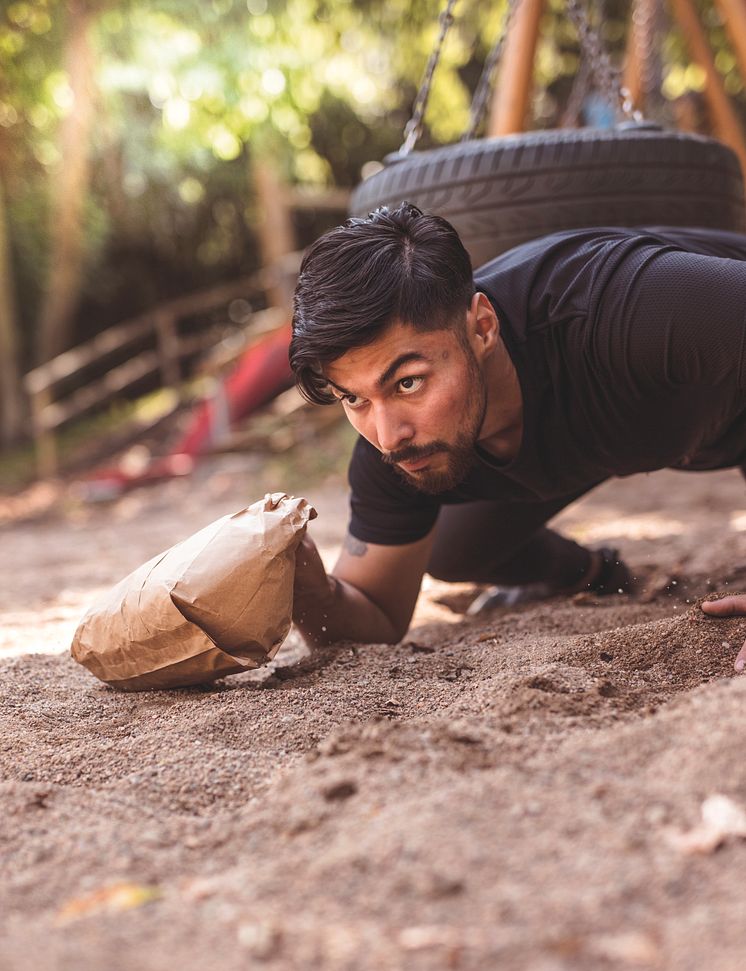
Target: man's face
point(419, 398)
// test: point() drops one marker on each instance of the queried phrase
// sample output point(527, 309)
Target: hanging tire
point(501, 192)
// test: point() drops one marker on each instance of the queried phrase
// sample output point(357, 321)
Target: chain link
point(571, 117)
point(413, 128)
point(482, 93)
point(607, 76)
point(596, 61)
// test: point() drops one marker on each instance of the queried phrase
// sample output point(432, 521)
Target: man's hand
point(728, 607)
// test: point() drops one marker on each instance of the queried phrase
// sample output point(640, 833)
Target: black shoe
point(507, 596)
point(613, 577)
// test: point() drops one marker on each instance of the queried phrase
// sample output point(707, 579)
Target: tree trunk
point(70, 188)
point(275, 228)
point(11, 392)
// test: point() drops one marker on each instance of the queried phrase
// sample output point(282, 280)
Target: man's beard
point(460, 459)
point(461, 454)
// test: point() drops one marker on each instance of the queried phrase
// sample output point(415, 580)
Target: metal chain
point(413, 128)
point(607, 77)
point(580, 86)
point(598, 61)
point(482, 93)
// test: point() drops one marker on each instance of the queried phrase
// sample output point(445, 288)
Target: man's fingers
point(726, 607)
point(740, 662)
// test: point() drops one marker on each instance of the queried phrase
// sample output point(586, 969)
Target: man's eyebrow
point(338, 387)
point(391, 370)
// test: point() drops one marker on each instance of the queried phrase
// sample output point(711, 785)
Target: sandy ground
point(503, 793)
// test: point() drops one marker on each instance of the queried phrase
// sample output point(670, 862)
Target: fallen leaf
point(113, 899)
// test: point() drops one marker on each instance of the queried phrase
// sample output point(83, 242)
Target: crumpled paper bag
point(218, 603)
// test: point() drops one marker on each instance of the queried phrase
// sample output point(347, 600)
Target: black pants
point(506, 543)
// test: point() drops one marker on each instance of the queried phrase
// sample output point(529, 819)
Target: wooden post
point(11, 393)
point(275, 229)
point(69, 188)
point(733, 13)
point(727, 124)
point(47, 461)
point(515, 82)
point(168, 349)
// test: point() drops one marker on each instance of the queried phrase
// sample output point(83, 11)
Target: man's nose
point(392, 430)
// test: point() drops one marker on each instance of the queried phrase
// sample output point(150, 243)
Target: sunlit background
point(150, 150)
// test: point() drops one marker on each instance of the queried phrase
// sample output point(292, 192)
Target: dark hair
point(394, 264)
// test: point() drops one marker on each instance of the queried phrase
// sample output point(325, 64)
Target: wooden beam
point(114, 338)
point(47, 461)
point(733, 13)
point(57, 413)
point(201, 300)
point(727, 124)
point(48, 414)
point(515, 82)
point(72, 361)
point(168, 349)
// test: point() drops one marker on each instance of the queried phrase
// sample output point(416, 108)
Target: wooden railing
point(51, 407)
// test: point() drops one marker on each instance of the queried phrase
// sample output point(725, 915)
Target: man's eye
point(410, 385)
point(353, 401)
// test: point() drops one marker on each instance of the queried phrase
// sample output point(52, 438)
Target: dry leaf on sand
point(112, 899)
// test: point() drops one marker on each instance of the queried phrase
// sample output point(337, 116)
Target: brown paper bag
point(217, 603)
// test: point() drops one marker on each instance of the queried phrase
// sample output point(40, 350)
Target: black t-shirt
point(630, 349)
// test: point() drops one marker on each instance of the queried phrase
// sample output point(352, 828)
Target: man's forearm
point(343, 613)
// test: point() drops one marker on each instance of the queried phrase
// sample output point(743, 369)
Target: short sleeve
point(383, 509)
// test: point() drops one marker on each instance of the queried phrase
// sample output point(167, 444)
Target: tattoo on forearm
point(355, 547)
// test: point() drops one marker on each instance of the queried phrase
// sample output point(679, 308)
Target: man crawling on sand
point(487, 402)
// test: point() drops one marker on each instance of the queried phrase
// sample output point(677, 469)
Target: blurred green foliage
point(187, 93)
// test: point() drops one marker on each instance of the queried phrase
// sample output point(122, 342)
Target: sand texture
point(509, 792)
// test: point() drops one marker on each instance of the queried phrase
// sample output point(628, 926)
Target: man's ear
point(482, 324)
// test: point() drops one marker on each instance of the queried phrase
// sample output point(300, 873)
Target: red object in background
point(262, 372)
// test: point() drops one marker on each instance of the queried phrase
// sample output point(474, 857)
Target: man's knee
point(443, 565)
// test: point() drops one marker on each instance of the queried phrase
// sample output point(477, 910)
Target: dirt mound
point(386, 834)
point(488, 794)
